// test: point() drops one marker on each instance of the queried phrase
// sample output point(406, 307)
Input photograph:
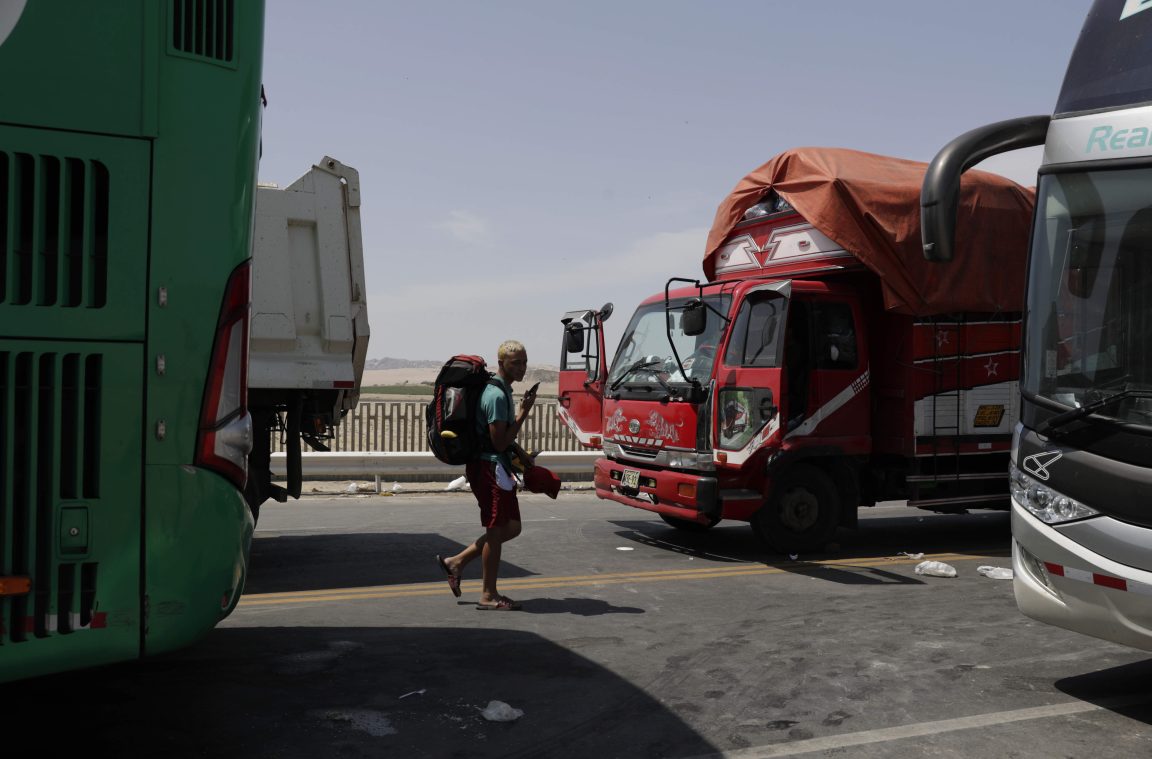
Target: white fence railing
point(398, 426)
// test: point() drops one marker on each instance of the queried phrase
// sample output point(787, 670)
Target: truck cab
point(715, 384)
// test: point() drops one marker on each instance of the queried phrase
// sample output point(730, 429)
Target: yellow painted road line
point(535, 583)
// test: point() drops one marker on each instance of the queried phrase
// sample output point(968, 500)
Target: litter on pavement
point(935, 569)
point(498, 711)
point(995, 573)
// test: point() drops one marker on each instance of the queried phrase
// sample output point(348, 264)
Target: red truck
point(823, 364)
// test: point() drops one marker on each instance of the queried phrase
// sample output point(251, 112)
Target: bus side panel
point(197, 525)
point(196, 558)
point(202, 222)
point(83, 63)
point(70, 489)
point(73, 235)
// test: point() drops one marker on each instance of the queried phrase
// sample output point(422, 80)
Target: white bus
point(1081, 473)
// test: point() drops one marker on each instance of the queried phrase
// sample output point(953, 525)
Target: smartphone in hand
point(532, 390)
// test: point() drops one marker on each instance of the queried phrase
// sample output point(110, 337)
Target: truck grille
point(640, 453)
point(204, 28)
point(49, 452)
point(53, 231)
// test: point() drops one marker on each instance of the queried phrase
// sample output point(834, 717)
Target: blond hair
point(509, 347)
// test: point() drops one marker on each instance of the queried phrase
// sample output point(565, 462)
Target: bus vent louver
point(49, 455)
point(204, 28)
point(53, 231)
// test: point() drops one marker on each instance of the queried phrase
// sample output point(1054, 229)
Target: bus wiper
point(1060, 420)
point(641, 364)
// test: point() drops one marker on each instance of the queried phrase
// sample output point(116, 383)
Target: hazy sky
point(522, 159)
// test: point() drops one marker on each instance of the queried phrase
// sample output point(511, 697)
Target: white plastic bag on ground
point(995, 573)
point(498, 711)
point(460, 483)
point(935, 569)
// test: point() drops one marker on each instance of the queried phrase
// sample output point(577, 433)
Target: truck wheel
point(688, 525)
point(801, 513)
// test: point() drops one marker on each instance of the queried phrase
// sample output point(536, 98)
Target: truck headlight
point(612, 450)
point(1043, 502)
point(691, 460)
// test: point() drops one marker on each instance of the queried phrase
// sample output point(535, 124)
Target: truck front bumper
point(683, 495)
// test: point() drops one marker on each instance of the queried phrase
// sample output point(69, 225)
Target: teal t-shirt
point(495, 405)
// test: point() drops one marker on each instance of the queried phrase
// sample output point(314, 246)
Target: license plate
point(630, 479)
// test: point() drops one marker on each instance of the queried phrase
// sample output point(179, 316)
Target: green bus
point(129, 141)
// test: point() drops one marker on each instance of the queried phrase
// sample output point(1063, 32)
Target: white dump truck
point(309, 333)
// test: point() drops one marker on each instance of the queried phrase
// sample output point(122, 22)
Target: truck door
point(583, 371)
point(826, 377)
point(748, 392)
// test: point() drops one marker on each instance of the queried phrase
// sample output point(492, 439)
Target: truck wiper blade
point(641, 364)
point(1060, 420)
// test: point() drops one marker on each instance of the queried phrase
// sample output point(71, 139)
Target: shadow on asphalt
point(1126, 689)
point(352, 692)
point(319, 562)
point(581, 607)
point(985, 533)
point(354, 560)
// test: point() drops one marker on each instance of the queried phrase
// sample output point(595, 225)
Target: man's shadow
point(581, 607)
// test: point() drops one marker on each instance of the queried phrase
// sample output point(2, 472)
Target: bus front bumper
point(1061, 582)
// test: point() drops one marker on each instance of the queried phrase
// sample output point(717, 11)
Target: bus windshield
point(645, 354)
point(1090, 294)
point(1111, 65)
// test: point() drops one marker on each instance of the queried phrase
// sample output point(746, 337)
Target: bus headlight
point(1043, 502)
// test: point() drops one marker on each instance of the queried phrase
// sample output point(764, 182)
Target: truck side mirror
point(574, 337)
point(605, 312)
point(695, 318)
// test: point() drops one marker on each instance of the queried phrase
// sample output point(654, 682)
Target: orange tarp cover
point(870, 205)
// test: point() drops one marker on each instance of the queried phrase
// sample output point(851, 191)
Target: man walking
point(490, 477)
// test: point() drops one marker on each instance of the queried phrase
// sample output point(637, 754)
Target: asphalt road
point(635, 641)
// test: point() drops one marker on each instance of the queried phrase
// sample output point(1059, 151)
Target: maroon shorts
point(497, 507)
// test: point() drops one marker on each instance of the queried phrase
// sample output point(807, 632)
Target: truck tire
point(688, 525)
point(801, 513)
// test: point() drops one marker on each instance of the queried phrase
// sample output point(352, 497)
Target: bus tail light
point(225, 436)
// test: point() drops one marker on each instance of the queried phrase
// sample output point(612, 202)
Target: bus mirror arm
point(940, 193)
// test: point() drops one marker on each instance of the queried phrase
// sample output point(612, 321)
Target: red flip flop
point(453, 580)
point(504, 604)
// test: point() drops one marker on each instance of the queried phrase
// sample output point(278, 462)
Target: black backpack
point(451, 415)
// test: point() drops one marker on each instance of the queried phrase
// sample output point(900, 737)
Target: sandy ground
point(416, 376)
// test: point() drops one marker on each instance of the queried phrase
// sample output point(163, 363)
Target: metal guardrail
point(390, 465)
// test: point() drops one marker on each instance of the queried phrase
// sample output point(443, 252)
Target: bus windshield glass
point(1111, 65)
point(1090, 294)
point(645, 355)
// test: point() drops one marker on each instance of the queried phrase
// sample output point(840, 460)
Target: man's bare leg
point(457, 563)
point(493, 546)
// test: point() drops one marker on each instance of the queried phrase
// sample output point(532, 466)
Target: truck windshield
point(645, 355)
point(1090, 294)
